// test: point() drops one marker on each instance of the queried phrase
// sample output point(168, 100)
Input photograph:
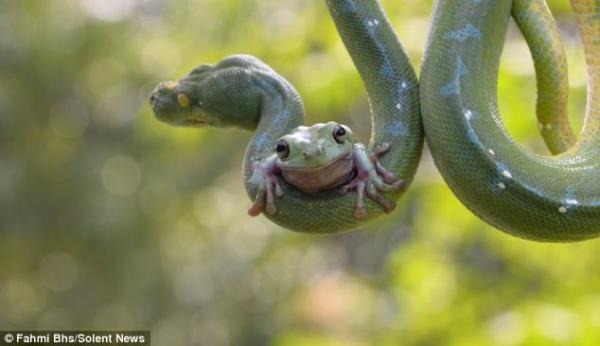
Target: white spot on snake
point(492, 152)
point(572, 201)
point(468, 114)
point(372, 25)
point(507, 174)
point(373, 22)
point(461, 35)
point(398, 106)
point(404, 85)
point(502, 186)
point(562, 209)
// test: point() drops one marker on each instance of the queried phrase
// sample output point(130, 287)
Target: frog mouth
point(324, 166)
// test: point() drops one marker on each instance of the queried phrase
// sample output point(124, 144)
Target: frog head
point(316, 157)
point(314, 146)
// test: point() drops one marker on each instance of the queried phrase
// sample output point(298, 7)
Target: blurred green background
point(112, 220)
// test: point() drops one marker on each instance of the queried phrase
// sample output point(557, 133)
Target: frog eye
point(282, 148)
point(339, 134)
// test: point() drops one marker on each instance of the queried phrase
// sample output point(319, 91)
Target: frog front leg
point(264, 177)
point(371, 179)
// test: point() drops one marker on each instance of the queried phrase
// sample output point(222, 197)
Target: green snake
point(538, 197)
point(532, 196)
point(241, 91)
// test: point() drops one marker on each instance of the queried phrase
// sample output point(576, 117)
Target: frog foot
point(371, 179)
point(264, 177)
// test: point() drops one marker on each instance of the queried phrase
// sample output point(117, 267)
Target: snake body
point(544, 198)
point(241, 91)
point(538, 197)
point(392, 87)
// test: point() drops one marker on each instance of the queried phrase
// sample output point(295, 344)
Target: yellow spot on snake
point(183, 100)
point(562, 210)
point(171, 84)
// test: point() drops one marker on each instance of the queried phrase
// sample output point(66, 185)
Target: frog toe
point(257, 207)
point(389, 177)
point(399, 185)
point(382, 149)
point(360, 213)
point(387, 205)
point(278, 189)
point(254, 210)
point(382, 185)
point(271, 209)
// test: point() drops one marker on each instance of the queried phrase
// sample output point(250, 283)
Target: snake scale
point(543, 198)
point(538, 197)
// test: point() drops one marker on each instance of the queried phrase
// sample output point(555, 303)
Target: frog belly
point(329, 176)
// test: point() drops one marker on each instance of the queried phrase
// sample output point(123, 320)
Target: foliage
point(111, 220)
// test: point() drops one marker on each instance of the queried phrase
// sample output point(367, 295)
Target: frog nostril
point(313, 152)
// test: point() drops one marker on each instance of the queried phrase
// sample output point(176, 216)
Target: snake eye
point(339, 134)
point(183, 100)
point(282, 148)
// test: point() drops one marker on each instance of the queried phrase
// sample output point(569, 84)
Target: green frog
point(323, 157)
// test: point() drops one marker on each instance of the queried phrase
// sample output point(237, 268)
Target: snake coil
point(543, 198)
point(241, 91)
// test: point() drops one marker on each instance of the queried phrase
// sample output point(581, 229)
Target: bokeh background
point(112, 220)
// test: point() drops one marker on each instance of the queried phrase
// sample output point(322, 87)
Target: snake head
point(228, 94)
point(179, 103)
